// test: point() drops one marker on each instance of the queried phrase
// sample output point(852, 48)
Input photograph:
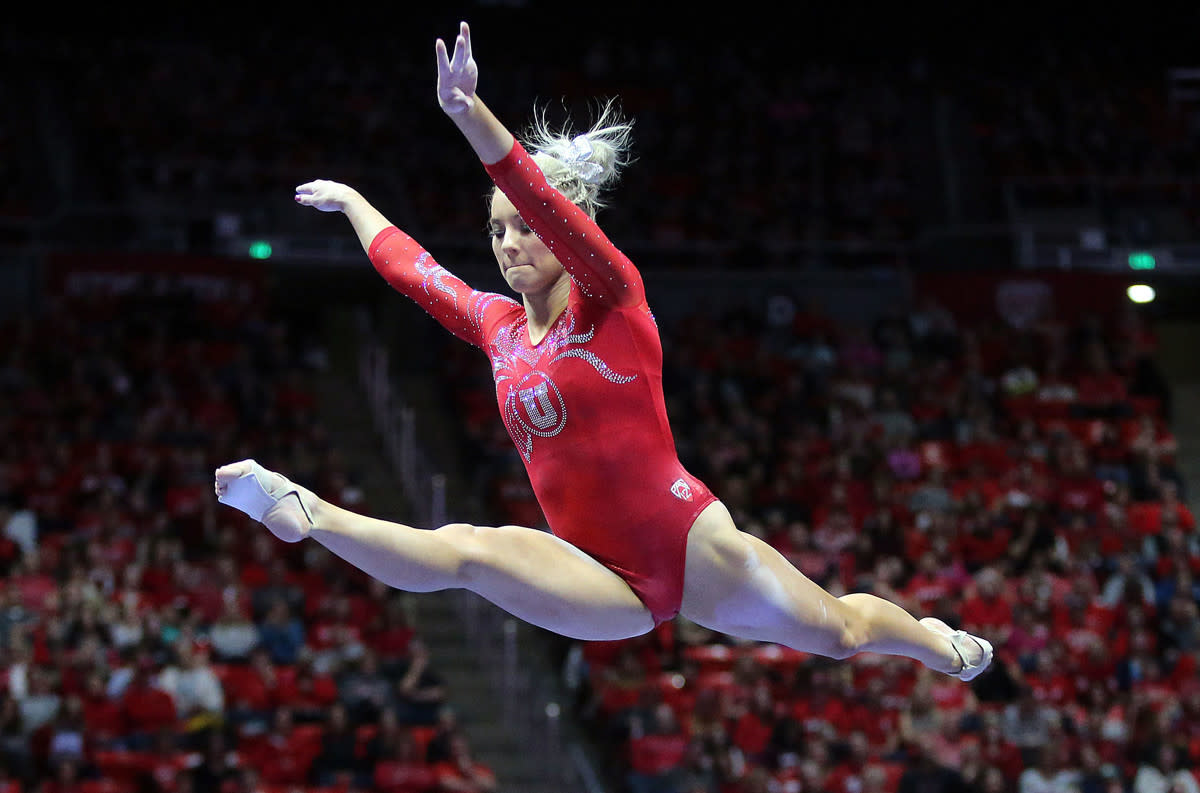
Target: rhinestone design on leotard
point(435, 274)
point(533, 404)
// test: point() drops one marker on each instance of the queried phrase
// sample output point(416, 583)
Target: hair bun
point(580, 166)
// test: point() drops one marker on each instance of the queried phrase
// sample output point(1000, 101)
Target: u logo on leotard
point(534, 408)
point(537, 405)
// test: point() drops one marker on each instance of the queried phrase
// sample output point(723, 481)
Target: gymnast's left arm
point(600, 269)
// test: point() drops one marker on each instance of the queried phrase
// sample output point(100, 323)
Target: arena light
point(260, 249)
point(1142, 260)
point(1140, 293)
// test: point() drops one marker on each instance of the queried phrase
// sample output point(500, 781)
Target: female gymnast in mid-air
point(578, 369)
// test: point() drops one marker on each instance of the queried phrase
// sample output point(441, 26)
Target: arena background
point(889, 251)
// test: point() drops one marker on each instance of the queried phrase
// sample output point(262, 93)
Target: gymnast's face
point(526, 263)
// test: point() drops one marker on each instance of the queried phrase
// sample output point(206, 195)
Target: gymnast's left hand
point(458, 76)
point(325, 195)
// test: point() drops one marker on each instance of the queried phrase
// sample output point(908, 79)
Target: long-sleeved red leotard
point(585, 405)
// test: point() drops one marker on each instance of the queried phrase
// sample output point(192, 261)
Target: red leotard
point(585, 405)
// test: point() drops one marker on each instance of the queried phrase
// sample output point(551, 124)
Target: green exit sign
point(1141, 260)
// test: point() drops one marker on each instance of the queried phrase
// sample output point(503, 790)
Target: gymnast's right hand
point(325, 195)
point(279, 504)
point(458, 76)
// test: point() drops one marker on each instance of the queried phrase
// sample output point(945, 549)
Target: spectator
point(281, 633)
point(66, 778)
point(194, 687)
point(697, 774)
point(14, 743)
point(391, 633)
point(420, 692)
point(924, 775)
point(337, 762)
point(68, 734)
point(251, 694)
point(657, 753)
point(234, 635)
point(989, 612)
point(365, 691)
point(146, 709)
point(167, 765)
point(1094, 775)
point(1028, 724)
point(278, 588)
point(1052, 772)
point(218, 765)
point(1128, 578)
point(1163, 774)
point(460, 773)
point(40, 705)
point(308, 693)
point(398, 767)
point(103, 715)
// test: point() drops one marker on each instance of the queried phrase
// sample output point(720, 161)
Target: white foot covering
point(974, 652)
point(268, 497)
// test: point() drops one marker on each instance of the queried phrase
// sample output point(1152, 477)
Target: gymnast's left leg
point(737, 584)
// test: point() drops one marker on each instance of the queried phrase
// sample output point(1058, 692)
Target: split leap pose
point(578, 368)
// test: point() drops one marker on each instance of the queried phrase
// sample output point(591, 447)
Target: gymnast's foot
point(279, 504)
point(974, 653)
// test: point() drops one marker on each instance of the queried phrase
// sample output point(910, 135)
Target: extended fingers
point(464, 35)
point(462, 48)
point(443, 59)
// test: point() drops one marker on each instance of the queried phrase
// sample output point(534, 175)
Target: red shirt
point(927, 590)
point(104, 718)
point(986, 614)
point(396, 776)
point(148, 709)
point(657, 754)
point(983, 548)
point(751, 734)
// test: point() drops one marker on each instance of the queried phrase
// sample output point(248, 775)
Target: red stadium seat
point(1146, 406)
point(105, 786)
point(422, 737)
point(711, 657)
point(123, 766)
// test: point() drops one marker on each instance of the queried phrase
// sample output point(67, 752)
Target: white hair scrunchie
point(579, 160)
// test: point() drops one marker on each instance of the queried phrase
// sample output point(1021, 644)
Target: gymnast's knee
point(849, 632)
point(470, 550)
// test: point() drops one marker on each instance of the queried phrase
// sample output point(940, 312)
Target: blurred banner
point(118, 275)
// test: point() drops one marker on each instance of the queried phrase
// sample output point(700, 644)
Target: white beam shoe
point(974, 652)
point(270, 498)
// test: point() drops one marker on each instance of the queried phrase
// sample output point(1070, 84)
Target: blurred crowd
point(152, 640)
point(1020, 484)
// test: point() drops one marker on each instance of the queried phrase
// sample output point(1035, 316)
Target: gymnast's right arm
point(404, 264)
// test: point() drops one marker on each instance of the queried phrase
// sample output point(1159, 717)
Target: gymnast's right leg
point(531, 574)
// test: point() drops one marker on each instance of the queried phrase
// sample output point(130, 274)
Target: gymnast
point(577, 363)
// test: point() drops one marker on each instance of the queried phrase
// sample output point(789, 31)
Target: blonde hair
point(581, 167)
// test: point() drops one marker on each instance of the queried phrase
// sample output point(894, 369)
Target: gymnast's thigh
point(737, 584)
point(546, 581)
